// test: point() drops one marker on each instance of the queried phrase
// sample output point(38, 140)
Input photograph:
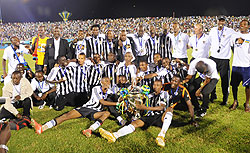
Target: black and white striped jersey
point(166, 46)
point(95, 46)
point(166, 75)
point(109, 71)
point(80, 76)
point(57, 73)
point(128, 71)
point(157, 100)
point(95, 74)
point(96, 96)
point(152, 47)
point(107, 48)
point(148, 82)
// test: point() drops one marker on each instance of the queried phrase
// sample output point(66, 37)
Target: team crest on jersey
point(224, 35)
point(81, 47)
point(204, 42)
point(239, 41)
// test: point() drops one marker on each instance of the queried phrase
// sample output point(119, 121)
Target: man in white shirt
point(14, 55)
point(180, 42)
point(204, 84)
point(199, 43)
point(241, 63)
point(219, 38)
point(44, 92)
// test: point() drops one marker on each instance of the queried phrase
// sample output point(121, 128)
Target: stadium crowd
point(136, 66)
point(25, 31)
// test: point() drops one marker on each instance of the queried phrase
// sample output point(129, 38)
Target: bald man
point(204, 84)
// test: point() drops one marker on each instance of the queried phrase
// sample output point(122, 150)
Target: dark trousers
point(50, 99)
point(195, 85)
point(80, 98)
point(64, 100)
point(25, 104)
point(223, 67)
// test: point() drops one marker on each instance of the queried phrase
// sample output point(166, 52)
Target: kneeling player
point(93, 110)
point(158, 100)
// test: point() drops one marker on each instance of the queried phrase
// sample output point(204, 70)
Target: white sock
point(166, 123)
point(94, 126)
point(51, 123)
point(119, 118)
point(124, 131)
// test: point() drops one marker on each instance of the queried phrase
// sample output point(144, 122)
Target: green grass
point(221, 130)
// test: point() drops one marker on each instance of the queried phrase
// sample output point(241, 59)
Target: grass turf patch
point(221, 130)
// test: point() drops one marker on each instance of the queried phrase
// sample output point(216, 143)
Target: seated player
point(176, 93)
point(44, 92)
point(93, 110)
point(18, 92)
point(158, 101)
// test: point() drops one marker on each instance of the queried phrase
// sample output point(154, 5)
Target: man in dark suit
point(55, 47)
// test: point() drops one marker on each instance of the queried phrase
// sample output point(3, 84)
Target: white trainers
point(50, 107)
point(107, 135)
point(160, 141)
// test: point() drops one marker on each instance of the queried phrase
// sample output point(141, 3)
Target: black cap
point(221, 17)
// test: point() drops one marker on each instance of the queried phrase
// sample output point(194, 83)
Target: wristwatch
point(4, 147)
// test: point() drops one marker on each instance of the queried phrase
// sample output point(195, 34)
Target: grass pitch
point(221, 130)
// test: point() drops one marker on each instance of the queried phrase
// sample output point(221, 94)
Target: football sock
point(49, 124)
point(94, 126)
point(124, 131)
point(166, 123)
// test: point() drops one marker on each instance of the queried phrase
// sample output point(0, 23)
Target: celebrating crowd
point(138, 67)
point(25, 31)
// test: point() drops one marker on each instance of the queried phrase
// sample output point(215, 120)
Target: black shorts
point(86, 112)
point(151, 121)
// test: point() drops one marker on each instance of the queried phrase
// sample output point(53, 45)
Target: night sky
point(47, 10)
